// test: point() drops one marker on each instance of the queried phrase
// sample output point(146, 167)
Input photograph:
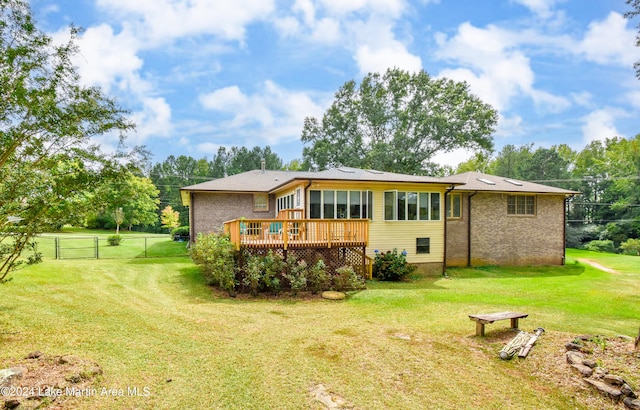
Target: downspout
point(444, 265)
point(469, 227)
point(564, 228)
point(192, 234)
point(306, 203)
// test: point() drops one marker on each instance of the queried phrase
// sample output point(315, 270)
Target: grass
point(402, 346)
point(78, 243)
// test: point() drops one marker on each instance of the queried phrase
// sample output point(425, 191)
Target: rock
point(590, 363)
point(572, 346)
point(586, 371)
point(628, 391)
point(333, 295)
point(631, 403)
point(34, 355)
point(605, 389)
point(613, 380)
point(574, 357)
point(7, 376)
point(11, 404)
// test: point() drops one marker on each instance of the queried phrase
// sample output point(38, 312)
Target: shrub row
point(628, 247)
point(232, 271)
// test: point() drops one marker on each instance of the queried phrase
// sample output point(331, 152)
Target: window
point(341, 204)
point(260, 202)
point(521, 205)
point(329, 204)
point(315, 204)
point(454, 206)
point(423, 245)
point(411, 206)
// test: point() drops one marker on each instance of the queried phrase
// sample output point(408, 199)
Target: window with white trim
point(454, 205)
point(340, 204)
point(411, 206)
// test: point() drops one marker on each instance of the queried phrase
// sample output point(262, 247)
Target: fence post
point(97, 242)
point(56, 245)
point(145, 246)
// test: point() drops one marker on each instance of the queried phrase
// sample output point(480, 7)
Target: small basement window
point(423, 245)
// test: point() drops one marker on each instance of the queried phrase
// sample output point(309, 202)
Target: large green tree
point(397, 121)
point(47, 121)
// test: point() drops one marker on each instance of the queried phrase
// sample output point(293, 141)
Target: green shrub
point(252, 274)
point(114, 240)
point(215, 255)
point(391, 266)
point(347, 279)
point(296, 275)
point(631, 247)
point(317, 278)
point(180, 233)
point(601, 246)
point(274, 268)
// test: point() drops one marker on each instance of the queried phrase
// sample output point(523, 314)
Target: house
point(493, 220)
point(346, 215)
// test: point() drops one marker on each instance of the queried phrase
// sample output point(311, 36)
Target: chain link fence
point(98, 247)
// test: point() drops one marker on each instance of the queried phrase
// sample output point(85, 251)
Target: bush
point(296, 275)
point(391, 266)
point(601, 246)
point(347, 279)
point(215, 255)
point(631, 247)
point(252, 275)
point(317, 278)
point(114, 240)
point(274, 268)
point(180, 233)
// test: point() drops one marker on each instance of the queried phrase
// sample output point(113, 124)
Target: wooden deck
point(298, 233)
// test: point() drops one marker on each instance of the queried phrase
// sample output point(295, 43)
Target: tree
point(133, 201)
point(635, 4)
point(170, 219)
point(397, 122)
point(47, 122)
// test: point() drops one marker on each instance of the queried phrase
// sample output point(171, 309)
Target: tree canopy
point(397, 122)
point(47, 121)
point(635, 5)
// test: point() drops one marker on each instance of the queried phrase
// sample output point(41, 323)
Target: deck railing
point(284, 233)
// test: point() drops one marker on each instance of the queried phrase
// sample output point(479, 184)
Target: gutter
point(469, 227)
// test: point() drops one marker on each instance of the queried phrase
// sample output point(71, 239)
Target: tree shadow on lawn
point(481, 272)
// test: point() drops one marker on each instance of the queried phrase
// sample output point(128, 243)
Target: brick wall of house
point(498, 238)
point(210, 211)
point(457, 229)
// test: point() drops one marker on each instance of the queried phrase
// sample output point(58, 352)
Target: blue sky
point(200, 74)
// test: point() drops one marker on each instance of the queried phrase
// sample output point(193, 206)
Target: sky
point(200, 74)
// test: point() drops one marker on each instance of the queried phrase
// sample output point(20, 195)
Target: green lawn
point(78, 243)
point(401, 346)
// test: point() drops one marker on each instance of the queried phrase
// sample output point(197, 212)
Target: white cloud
point(540, 7)
point(162, 21)
point(496, 69)
point(609, 42)
point(600, 124)
point(272, 115)
point(105, 58)
point(154, 120)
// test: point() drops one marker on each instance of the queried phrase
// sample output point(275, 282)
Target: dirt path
point(598, 266)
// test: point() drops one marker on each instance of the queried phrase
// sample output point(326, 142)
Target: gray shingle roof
point(477, 181)
point(268, 180)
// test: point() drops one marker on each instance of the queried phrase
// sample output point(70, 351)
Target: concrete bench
point(483, 319)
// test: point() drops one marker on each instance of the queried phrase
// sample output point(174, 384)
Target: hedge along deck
point(487, 318)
